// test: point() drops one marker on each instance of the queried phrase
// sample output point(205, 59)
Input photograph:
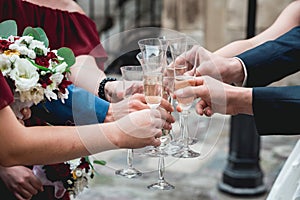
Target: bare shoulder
point(65, 5)
point(72, 6)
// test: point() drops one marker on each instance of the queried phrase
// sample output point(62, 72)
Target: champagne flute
point(168, 88)
point(153, 61)
point(184, 74)
point(153, 89)
point(151, 58)
point(130, 74)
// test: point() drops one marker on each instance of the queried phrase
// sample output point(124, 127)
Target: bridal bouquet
point(33, 70)
point(36, 73)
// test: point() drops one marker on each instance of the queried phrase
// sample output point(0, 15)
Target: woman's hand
point(26, 112)
point(20, 181)
point(139, 129)
point(114, 94)
point(135, 103)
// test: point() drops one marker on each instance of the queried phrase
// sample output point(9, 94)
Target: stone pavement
point(194, 179)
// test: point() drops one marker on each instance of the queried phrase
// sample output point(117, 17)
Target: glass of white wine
point(184, 71)
point(131, 75)
point(152, 58)
point(153, 89)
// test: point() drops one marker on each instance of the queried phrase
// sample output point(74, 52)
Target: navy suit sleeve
point(274, 110)
point(273, 60)
point(81, 107)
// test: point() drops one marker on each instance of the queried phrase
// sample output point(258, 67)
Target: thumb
point(186, 92)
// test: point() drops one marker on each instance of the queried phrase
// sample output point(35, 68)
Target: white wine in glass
point(182, 82)
point(153, 89)
point(185, 103)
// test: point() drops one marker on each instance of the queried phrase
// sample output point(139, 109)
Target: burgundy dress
point(63, 29)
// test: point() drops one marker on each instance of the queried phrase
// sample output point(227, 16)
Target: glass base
point(180, 141)
point(172, 149)
point(156, 152)
point(161, 185)
point(186, 153)
point(129, 173)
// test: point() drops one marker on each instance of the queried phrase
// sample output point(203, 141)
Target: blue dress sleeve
point(81, 107)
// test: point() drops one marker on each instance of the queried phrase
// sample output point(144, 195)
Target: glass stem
point(129, 157)
point(161, 168)
point(185, 129)
point(181, 126)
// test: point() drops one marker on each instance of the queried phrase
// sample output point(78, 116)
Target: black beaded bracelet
point(101, 91)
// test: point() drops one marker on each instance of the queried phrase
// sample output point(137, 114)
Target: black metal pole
point(243, 175)
point(251, 19)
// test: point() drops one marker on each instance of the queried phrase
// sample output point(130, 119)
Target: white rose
point(5, 64)
point(24, 74)
point(13, 58)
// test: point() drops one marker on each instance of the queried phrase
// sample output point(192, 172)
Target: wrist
point(101, 90)
point(109, 115)
point(114, 138)
point(238, 73)
point(244, 101)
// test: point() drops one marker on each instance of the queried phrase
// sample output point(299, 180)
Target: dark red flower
point(84, 164)
point(51, 56)
point(4, 44)
point(55, 172)
point(42, 61)
point(45, 80)
point(63, 85)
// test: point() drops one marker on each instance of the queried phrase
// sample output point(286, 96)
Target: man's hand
point(227, 70)
point(217, 97)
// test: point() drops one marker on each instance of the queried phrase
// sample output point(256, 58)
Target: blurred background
point(213, 24)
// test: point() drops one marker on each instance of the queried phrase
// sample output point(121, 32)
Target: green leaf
point(37, 33)
point(67, 54)
point(8, 28)
point(43, 36)
point(29, 31)
point(99, 162)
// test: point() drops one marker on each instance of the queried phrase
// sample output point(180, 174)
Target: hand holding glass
point(131, 75)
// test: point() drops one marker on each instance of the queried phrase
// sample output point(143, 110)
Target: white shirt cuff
point(245, 73)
